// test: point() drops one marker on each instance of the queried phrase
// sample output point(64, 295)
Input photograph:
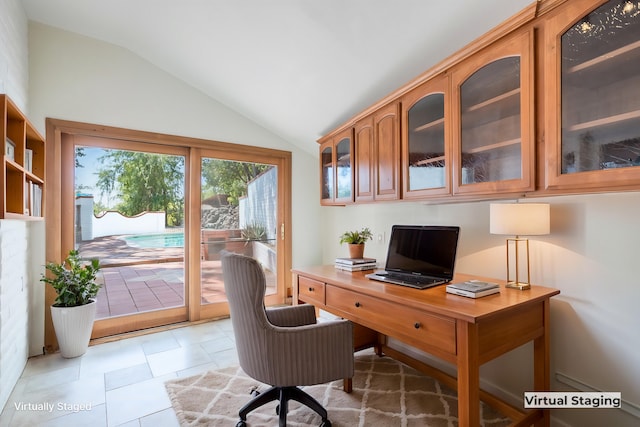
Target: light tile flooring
point(120, 383)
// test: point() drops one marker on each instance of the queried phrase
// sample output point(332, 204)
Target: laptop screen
point(422, 250)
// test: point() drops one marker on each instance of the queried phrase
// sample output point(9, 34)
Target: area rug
point(385, 393)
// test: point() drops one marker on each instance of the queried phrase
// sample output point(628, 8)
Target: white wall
point(591, 255)
point(14, 60)
point(21, 248)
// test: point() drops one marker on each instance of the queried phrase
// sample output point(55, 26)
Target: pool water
point(156, 240)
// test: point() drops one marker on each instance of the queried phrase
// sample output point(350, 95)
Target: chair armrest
point(293, 315)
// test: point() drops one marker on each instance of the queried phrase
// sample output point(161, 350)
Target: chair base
point(283, 395)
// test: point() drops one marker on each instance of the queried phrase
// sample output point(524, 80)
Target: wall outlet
point(381, 238)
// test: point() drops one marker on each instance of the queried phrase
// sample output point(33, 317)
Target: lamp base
point(518, 285)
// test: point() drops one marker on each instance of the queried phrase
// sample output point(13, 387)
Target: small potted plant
point(74, 308)
point(356, 240)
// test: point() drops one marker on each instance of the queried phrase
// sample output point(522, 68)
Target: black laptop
point(420, 256)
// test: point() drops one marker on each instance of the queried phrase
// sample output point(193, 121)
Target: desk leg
point(347, 385)
point(541, 369)
point(468, 375)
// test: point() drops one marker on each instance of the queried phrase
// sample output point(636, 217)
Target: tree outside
point(144, 182)
point(229, 178)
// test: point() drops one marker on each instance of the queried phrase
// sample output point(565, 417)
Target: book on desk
point(355, 264)
point(473, 288)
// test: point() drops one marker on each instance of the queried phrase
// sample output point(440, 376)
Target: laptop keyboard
point(416, 282)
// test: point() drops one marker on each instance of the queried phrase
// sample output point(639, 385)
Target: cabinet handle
point(311, 289)
point(357, 304)
point(417, 325)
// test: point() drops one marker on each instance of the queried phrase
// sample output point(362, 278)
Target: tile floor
point(119, 383)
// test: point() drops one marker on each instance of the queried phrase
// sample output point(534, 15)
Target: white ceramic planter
point(73, 327)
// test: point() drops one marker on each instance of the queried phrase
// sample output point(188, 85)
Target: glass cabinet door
point(326, 168)
point(494, 126)
point(344, 176)
point(598, 73)
point(426, 157)
point(490, 121)
point(336, 166)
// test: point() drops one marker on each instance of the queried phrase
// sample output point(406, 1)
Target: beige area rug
point(385, 393)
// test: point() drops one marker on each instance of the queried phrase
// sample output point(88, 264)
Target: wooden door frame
point(61, 138)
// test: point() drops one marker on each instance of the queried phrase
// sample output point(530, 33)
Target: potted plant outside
point(74, 308)
point(356, 240)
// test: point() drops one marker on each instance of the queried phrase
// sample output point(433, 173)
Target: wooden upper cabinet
point(493, 119)
point(386, 128)
point(336, 165)
point(426, 140)
point(592, 106)
point(377, 155)
point(365, 159)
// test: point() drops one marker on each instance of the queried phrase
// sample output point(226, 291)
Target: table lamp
point(519, 219)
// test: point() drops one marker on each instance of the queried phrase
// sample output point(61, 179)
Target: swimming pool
point(156, 240)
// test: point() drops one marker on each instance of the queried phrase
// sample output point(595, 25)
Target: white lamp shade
point(519, 219)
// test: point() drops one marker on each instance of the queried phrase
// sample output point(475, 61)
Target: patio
point(142, 279)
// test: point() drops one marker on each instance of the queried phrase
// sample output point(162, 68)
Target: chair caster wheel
point(241, 424)
point(325, 423)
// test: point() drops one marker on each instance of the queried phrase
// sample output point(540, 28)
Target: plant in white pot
point(356, 240)
point(74, 309)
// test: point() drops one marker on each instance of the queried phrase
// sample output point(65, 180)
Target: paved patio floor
point(138, 279)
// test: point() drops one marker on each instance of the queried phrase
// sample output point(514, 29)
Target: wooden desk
point(459, 330)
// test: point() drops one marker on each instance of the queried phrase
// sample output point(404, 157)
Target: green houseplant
point(356, 240)
point(74, 308)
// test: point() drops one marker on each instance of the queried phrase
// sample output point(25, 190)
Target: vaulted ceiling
point(299, 68)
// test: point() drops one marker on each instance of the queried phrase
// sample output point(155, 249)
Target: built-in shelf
point(515, 93)
point(430, 125)
point(22, 179)
point(606, 58)
point(429, 161)
point(604, 121)
point(494, 146)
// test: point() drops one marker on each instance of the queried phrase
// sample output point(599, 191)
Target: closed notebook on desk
point(420, 256)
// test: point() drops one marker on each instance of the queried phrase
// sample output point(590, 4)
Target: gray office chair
point(283, 347)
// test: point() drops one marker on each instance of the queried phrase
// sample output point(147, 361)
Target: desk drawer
point(310, 291)
point(417, 328)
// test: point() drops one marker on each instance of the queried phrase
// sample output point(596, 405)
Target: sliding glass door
point(156, 210)
point(238, 213)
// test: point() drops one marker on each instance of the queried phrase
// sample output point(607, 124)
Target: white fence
point(88, 226)
point(115, 223)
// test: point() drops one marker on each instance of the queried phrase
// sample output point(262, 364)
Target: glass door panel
point(326, 165)
point(239, 203)
point(344, 177)
point(600, 71)
point(426, 144)
point(129, 214)
point(490, 123)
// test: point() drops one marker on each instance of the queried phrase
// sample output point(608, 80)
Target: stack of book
point(355, 264)
point(473, 288)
